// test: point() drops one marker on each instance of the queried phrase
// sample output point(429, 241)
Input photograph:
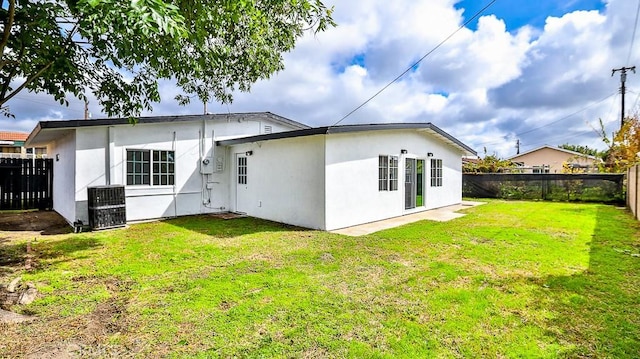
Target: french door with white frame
point(414, 180)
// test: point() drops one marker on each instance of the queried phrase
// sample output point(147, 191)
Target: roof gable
point(573, 153)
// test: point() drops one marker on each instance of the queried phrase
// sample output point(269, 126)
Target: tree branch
point(34, 76)
point(12, 73)
point(7, 28)
point(26, 82)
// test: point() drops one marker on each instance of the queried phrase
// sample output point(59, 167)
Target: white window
point(393, 173)
point(163, 168)
point(540, 169)
point(436, 173)
point(387, 173)
point(150, 167)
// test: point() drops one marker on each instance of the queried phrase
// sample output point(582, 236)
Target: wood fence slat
point(26, 183)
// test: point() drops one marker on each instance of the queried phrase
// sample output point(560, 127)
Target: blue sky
point(534, 71)
point(518, 13)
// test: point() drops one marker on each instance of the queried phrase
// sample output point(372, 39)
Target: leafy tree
point(582, 149)
point(624, 147)
point(119, 49)
point(488, 164)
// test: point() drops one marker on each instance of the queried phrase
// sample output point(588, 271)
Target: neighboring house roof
point(326, 130)
point(71, 124)
point(467, 159)
point(13, 136)
point(573, 153)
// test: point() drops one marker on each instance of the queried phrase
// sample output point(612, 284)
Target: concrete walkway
point(439, 214)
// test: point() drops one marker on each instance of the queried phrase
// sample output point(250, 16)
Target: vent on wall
point(106, 207)
point(267, 129)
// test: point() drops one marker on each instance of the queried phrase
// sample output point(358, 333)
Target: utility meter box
point(206, 165)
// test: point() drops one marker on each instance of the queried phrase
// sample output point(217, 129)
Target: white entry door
point(242, 185)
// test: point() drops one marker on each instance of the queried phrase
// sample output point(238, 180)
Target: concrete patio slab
point(442, 214)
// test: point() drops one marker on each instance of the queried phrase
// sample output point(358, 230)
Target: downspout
point(108, 156)
point(175, 195)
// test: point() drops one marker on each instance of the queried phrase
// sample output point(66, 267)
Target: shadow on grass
point(13, 255)
point(225, 228)
point(599, 310)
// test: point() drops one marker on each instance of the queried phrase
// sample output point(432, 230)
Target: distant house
point(548, 159)
point(260, 164)
point(12, 146)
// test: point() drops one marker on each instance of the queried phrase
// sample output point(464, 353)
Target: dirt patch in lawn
point(83, 336)
point(29, 223)
point(18, 230)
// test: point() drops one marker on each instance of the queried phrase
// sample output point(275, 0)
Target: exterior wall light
point(430, 154)
point(249, 153)
point(404, 152)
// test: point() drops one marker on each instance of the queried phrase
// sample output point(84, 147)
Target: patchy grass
point(511, 279)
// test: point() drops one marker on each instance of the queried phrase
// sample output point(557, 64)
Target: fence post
point(636, 194)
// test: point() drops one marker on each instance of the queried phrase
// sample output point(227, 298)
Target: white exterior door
point(410, 183)
point(242, 185)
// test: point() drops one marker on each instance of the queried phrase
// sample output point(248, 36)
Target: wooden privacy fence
point(586, 187)
point(633, 186)
point(26, 183)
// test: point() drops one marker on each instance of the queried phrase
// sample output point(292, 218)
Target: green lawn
point(510, 279)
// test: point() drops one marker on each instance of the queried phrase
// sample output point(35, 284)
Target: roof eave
point(33, 135)
point(466, 150)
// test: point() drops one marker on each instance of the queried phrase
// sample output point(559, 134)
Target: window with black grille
point(150, 167)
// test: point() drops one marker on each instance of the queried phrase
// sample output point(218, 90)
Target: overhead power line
point(563, 137)
point(633, 35)
point(50, 104)
point(553, 122)
point(565, 117)
point(417, 62)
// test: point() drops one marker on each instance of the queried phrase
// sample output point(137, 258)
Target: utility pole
point(518, 146)
point(623, 79)
point(86, 109)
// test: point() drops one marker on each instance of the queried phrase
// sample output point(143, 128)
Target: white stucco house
point(260, 164)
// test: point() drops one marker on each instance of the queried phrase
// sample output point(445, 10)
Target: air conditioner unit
point(107, 207)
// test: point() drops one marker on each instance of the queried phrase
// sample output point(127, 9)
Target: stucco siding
point(451, 190)
point(63, 152)
point(91, 145)
point(313, 180)
point(352, 195)
point(101, 159)
point(285, 181)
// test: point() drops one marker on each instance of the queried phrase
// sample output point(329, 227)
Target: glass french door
point(413, 183)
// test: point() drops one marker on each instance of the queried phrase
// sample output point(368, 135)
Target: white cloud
point(487, 87)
